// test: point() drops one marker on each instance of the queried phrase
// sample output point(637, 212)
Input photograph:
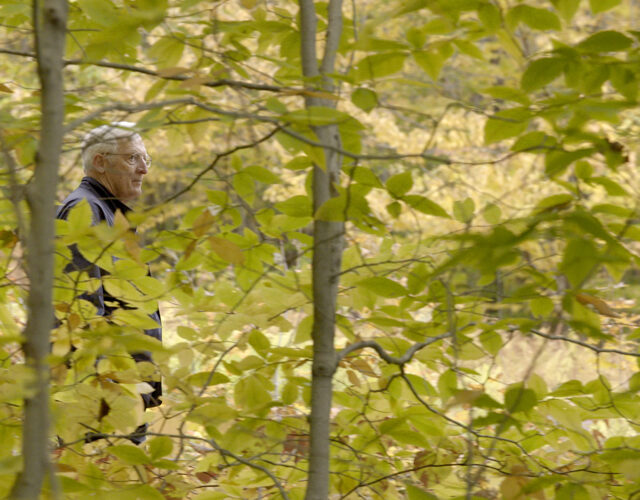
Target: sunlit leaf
point(541, 72)
point(605, 41)
point(598, 6)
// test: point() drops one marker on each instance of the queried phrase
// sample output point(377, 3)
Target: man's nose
point(143, 168)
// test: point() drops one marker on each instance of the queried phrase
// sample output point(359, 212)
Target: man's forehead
point(131, 143)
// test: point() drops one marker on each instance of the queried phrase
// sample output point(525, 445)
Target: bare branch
point(129, 108)
point(212, 165)
point(594, 348)
point(405, 358)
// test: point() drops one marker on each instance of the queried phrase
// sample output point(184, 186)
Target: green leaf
point(431, 61)
point(567, 8)
point(464, 210)
point(334, 209)
point(394, 209)
point(365, 99)
point(611, 186)
point(541, 306)
point(160, 446)
point(573, 491)
point(414, 493)
point(299, 163)
point(579, 259)
point(252, 392)
point(102, 12)
point(608, 208)
point(425, 205)
point(439, 26)
point(399, 184)
point(417, 279)
point(316, 116)
point(167, 52)
point(296, 206)
point(570, 388)
point(130, 455)
point(624, 81)
point(490, 16)
point(365, 176)
point(469, 49)
point(535, 18)
point(263, 175)
point(416, 37)
point(556, 162)
point(555, 201)
point(289, 393)
point(508, 94)
point(541, 72)
point(583, 170)
point(259, 341)
point(492, 213)
point(598, 6)
point(505, 124)
point(491, 341)
point(378, 66)
point(244, 186)
point(606, 41)
point(518, 399)
point(384, 287)
point(533, 141)
point(447, 384)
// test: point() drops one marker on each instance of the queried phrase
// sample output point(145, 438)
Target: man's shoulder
point(82, 192)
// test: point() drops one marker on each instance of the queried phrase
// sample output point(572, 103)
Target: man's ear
point(98, 163)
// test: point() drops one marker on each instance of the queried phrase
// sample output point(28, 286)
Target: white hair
point(104, 139)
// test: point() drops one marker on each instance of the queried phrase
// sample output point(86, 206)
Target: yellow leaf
point(598, 304)
point(227, 250)
point(353, 378)
point(120, 221)
point(511, 488)
point(362, 366)
point(203, 222)
point(173, 71)
point(4, 88)
point(74, 321)
point(132, 248)
point(195, 82)
point(465, 397)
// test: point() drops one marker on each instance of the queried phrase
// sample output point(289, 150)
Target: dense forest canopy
point(394, 245)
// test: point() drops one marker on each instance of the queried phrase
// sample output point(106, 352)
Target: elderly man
point(115, 162)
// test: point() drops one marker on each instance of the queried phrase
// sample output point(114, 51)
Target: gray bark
point(50, 19)
point(328, 246)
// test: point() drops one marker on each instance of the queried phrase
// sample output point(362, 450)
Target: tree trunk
point(50, 18)
point(328, 240)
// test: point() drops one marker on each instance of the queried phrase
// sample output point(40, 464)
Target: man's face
point(125, 169)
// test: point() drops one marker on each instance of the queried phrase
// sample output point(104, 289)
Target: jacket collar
point(104, 194)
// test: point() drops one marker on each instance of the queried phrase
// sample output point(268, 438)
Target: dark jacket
point(104, 207)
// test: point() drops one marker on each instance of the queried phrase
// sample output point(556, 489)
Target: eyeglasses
point(134, 158)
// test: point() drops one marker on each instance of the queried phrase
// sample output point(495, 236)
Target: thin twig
point(405, 358)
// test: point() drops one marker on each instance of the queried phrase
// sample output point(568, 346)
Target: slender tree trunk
point(50, 19)
point(328, 240)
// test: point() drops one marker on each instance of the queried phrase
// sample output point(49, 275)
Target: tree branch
point(296, 135)
point(179, 78)
point(405, 358)
point(129, 108)
point(594, 348)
